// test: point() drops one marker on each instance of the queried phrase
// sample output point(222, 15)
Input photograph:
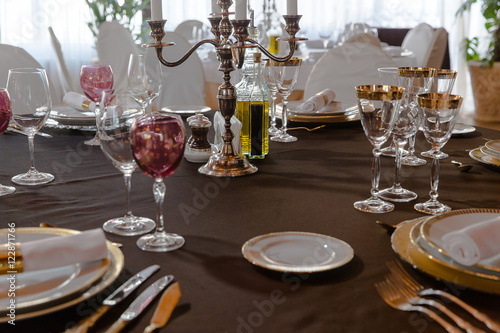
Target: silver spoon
point(462, 167)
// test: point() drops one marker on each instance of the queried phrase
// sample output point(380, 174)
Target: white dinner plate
point(460, 129)
point(479, 156)
point(433, 230)
point(298, 252)
point(335, 112)
point(66, 115)
point(41, 292)
point(186, 109)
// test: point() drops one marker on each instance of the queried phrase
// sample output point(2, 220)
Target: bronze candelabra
point(226, 163)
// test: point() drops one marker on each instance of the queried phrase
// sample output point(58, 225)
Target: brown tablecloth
point(309, 185)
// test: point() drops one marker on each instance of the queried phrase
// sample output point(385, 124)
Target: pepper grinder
point(198, 149)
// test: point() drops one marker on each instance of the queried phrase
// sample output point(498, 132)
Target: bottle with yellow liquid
point(275, 30)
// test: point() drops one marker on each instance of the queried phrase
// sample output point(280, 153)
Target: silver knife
point(119, 294)
point(140, 303)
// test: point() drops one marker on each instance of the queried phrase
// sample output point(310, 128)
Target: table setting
point(286, 242)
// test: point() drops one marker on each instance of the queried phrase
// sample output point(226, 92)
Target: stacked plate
point(66, 117)
point(419, 242)
point(487, 154)
point(334, 112)
point(41, 292)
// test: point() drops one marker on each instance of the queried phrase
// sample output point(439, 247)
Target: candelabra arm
point(292, 45)
point(186, 55)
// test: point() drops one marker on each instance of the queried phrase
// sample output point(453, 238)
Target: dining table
point(306, 186)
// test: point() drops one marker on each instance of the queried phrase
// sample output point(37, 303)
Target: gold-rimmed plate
point(335, 112)
point(411, 253)
point(297, 252)
point(478, 155)
point(38, 294)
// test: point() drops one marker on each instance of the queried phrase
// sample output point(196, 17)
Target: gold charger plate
point(107, 272)
point(479, 156)
point(411, 253)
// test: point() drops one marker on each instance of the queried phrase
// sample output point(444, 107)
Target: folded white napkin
point(61, 251)
point(78, 101)
point(219, 130)
point(317, 102)
point(471, 244)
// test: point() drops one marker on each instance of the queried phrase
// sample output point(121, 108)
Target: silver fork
point(392, 297)
point(412, 298)
point(397, 269)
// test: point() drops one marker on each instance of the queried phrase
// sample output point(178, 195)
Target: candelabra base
point(221, 165)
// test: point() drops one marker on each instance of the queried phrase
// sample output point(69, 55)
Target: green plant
point(490, 10)
point(122, 11)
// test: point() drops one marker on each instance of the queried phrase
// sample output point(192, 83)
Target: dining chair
point(181, 85)
point(190, 29)
point(14, 57)
point(438, 50)
point(114, 47)
point(419, 40)
point(345, 67)
point(364, 37)
point(62, 68)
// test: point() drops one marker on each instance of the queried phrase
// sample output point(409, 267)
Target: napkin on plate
point(469, 245)
point(66, 250)
point(219, 130)
point(317, 102)
point(78, 101)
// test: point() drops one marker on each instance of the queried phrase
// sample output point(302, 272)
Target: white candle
point(215, 7)
point(156, 10)
point(241, 9)
point(291, 7)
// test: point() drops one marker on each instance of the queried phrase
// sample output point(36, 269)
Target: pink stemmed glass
point(158, 142)
point(5, 114)
point(94, 80)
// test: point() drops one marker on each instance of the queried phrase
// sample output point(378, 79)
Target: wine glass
point(271, 84)
point(407, 125)
point(325, 32)
point(31, 104)
point(443, 83)
point(158, 142)
point(144, 83)
point(285, 76)
point(389, 76)
point(94, 79)
point(439, 112)
point(378, 106)
point(415, 80)
point(115, 117)
point(5, 115)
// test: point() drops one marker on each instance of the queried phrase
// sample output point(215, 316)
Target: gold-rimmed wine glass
point(378, 106)
point(439, 114)
point(268, 76)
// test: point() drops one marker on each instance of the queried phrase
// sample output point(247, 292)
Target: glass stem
point(434, 179)
point(273, 109)
point(284, 118)
point(375, 173)
point(159, 193)
point(399, 145)
point(31, 143)
point(411, 145)
point(127, 175)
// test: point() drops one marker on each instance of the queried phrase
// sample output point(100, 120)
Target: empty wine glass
point(439, 112)
point(415, 80)
point(285, 76)
point(5, 115)
point(115, 117)
point(325, 32)
point(158, 142)
point(94, 79)
point(144, 81)
point(378, 106)
point(271, 84)
point(408, 122)
point(31, 104)
point(443, 83)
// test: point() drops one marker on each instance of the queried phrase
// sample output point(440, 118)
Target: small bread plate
point(66, 115)
point(479, 156)
point(186, 109)
point(461, 129)
point(335, 112)
point(46, 291)
point(297, 252)
point(413, 254)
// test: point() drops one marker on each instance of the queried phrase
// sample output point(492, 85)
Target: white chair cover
point(114, 47)
point(62, 68)
point(419, 40)
point(181, 85)
point(190, 29)
point(364, 37)
point(14, 57)
point(345, 67)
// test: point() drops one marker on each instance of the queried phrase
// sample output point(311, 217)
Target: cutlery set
point(162, 313)
point(401, 291)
